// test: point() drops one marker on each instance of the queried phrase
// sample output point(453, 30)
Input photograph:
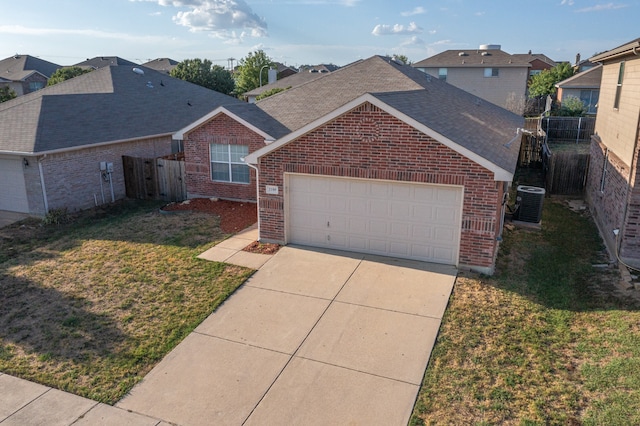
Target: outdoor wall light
point(25, 162)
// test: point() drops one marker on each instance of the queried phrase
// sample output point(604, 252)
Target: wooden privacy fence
point(565, 168)
point(154, 178)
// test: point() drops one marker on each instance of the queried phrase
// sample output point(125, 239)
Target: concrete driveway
point(7, 218)
point(313, 337)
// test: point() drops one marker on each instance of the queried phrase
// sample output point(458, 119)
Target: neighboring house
point(613, 189)
point(53, 142)
point(25, 74)
point(538, 61)
point(584, 86)
point(293, 80)
point(104, 61)
point(380, 158)
point(283, 71)
point(487, 72)
point(321, 68)
point(215, 145)
point(164, 65)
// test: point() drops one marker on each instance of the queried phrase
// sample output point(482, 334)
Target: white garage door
point(407, 220)
point(13, 192)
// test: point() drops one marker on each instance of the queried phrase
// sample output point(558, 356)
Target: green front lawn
point(91, 306)
point(548, 340)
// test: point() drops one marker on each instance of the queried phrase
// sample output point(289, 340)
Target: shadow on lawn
point(46, 322)
point(563, 266)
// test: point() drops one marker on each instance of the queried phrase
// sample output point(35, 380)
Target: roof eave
point(179, 135)
point(629, 48)
point(79, 147)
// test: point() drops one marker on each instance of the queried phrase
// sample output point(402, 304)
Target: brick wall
point(73, 179)
point(369, 143)
point(607, 201)
point(220, 129)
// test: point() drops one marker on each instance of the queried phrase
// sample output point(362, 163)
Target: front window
point(35, 85)
point(442, 74)
point(227, 164)
point(491, 72)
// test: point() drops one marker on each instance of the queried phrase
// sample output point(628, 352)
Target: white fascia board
point(499, 173)
point(179, 135)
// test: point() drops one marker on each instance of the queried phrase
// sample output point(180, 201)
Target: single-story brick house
point(378, 158)
point(214, 147)
point(53, 141)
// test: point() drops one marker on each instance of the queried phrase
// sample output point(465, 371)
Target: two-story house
point(613, 190)
point(487, 72)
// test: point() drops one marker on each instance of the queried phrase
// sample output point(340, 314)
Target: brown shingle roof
point(108, 104)
point(472, 58)
point(588, 79)
point(303, 104)
point(469, 121)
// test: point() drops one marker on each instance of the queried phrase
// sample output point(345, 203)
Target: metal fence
point(568, 129)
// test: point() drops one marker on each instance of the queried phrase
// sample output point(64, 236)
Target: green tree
point(271, 92)
point(544, 83)
point(6, 94)
point(205, 74)
point(248, 72)
point(572, 107)
point(402, 58)
point(62, 74)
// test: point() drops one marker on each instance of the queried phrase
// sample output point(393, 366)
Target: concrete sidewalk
point(313, 337)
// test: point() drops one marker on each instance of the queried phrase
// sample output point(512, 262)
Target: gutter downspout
point(44, 189)
point(257, 193)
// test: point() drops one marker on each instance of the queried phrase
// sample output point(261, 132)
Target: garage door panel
point(357, 243)
point(400, 211)
point(356, 226)
point(408, 220)
point(380, 190)
point(401, 192)
point(447, 197)
point(379, 208)
point(13, 190)
point(401, 230)
point(339, 204)
point(359, 207)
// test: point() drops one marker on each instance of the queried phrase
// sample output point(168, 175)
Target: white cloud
point(414, 41)
point(601, 7)
point(417, 11)
point(382, 29)
point(566, 3)
point(225, 19)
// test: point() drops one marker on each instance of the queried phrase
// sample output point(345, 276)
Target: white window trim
point(229, 163)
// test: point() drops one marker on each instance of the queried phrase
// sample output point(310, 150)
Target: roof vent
point(489, 47)
point(485, 53)
point(462, 54)
point(138, 71)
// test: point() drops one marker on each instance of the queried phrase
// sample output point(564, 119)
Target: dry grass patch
point(91, 306)
point(547, 340)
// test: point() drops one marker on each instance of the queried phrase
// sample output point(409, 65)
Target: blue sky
point(299, 32)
